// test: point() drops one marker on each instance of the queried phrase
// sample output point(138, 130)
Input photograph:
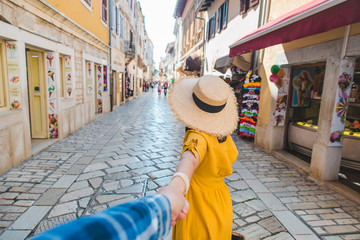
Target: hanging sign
point(89, 77)
point(344, 82)
point(68, 77)
point(13, 70)
point(283, 85)
point(52, 99)
point(99, 88)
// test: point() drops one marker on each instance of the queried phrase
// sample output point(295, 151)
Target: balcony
point(129, 51)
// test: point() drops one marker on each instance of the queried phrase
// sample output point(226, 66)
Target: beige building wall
point(47, 31)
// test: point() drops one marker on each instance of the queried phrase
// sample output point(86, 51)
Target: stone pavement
point(134, 150)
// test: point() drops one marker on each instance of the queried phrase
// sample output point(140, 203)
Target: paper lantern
point(274, 78)
point(275, 68)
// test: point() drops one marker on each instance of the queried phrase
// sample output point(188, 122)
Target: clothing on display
point(250, 105)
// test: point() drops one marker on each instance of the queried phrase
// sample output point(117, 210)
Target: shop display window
point(352, 124)
point(306, 90)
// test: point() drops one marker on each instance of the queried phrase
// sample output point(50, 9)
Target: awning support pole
point(345, 43)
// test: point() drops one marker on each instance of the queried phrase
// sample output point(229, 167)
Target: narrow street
point(134, 150)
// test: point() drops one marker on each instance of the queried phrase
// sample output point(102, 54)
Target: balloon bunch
point(277, 73)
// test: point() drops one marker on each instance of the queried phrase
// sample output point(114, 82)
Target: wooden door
point(37, 94)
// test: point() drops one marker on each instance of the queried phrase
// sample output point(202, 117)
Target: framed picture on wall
point(302, 83)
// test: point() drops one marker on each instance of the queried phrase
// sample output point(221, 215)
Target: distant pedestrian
point(165, 88)
point(159, 89)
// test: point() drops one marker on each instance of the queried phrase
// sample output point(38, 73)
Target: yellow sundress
point(210, 214)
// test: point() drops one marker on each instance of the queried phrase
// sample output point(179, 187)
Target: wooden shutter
point(208, 30)
point(243, 6)
point(253, 3)
point(225, 14)
point(213, 25)
point(117, 19)
point(219, 20)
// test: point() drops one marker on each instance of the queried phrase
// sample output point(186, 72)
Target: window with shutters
point(117, 19)
point(104, 11)
point(87, 4)
point(222, 16)
point(211, 27)
point(247, 5)
point(121, 26)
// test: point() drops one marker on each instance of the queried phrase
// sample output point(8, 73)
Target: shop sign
point(89, 77)
point(281, 103)
point(52, 103)
point(105, 78)
point(68, 77)
point(12, 53)
point(99, 82)
point(344, 82)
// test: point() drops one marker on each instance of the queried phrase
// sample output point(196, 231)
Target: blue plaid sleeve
point(145, 218)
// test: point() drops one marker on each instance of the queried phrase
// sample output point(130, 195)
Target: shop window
point(223, 15)
point(352, 125)
point(247, 5)
point(62, 76)
point(211, 27)
point(306, 90)
point(104, 11)
point(3, 82)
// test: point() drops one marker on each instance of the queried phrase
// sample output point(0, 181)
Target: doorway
point(37, 94)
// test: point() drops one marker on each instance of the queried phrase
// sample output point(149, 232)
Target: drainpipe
point(203, 46)
point(257, 57)
point(110, 66)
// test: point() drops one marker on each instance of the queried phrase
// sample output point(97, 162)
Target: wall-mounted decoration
point(346, 73)
point(302, 82)
point(283, 85)
point(89, 77)
point(99, 88)
point(68, 77)
point(52, 96)
point(13, 70)
point(105, 78)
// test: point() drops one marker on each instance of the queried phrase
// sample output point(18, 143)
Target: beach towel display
point(249, 105)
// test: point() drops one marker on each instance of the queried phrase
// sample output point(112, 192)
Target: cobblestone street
point(134, 150)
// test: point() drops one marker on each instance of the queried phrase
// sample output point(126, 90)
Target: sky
point(159, 24)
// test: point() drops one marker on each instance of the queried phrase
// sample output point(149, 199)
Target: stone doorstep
point(304, 167)
point(343, 190)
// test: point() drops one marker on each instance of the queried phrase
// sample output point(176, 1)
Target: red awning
point(315, 17)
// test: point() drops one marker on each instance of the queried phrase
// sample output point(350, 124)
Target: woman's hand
point(179, 205)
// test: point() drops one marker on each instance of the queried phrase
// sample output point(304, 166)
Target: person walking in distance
point(165, 87)
point(159, 88)
point(208, 109)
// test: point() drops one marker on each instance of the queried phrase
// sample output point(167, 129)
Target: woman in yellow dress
point(208, 108)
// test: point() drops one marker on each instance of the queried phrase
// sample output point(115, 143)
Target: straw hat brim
point(185, 110)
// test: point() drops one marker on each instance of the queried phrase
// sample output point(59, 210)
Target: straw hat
point(207, 104)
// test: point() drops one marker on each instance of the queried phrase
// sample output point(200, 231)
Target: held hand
point(179, 205)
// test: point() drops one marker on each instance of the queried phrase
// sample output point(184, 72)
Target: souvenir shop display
point(127, 85)
point(249, 105)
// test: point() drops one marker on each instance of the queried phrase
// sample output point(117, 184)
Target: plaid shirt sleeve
point(145, 218)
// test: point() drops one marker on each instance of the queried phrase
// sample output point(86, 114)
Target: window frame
point(104, 8)
point(117, 20)
point(4, 102)
point(211, 27)
point(121, 26)
point(87, 5)
point(62, 75)
point(247, 5)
